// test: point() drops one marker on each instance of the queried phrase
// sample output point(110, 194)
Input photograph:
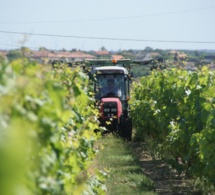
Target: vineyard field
point(48, 143)
point(173, 111)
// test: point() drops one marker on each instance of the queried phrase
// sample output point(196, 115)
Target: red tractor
point(112, 93)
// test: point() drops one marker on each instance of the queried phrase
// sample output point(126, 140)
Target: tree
point(14, 54)
point(43, 49)
point(73, 50)
point(63, 50)
point(196, 53)
point(26, 52)
point(103, 48)
point(148, 48)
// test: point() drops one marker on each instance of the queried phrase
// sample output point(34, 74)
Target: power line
point(106, 38)
point(108, 18)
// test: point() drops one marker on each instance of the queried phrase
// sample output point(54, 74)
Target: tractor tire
point(125, 129)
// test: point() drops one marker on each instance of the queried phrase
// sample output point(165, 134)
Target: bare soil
point(166, 180)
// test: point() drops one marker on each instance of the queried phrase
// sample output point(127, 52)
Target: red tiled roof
point(74, 55)
point(42, 54)
point(154, 54)
point(104, 52)
point(179, 54)
point(3, 53)
point(48, 54)
point(173, 52)
point(182, 55)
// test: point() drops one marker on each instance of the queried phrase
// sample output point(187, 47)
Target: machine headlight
point(113, 110)
point(106, 109)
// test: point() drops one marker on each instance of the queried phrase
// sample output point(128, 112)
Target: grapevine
point(46, 131)
point(173, 110)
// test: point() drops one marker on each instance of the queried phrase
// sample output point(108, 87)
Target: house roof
point(3, 53)
point(77, 54)
point(42, 54)
point(173, 52)
point(154, 54)
point(140, 55)
point(179, 54)
point(143, 56)
point(48, 54)
point(103, 52)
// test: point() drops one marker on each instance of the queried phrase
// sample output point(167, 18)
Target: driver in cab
point(111, 89)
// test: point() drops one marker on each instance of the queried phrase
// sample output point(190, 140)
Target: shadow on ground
point(166, 180)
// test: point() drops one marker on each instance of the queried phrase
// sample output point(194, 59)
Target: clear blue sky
point(127, 24)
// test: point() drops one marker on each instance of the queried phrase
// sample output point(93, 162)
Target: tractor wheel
point(125, 130)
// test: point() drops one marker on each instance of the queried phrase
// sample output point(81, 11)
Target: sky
point(113, 24)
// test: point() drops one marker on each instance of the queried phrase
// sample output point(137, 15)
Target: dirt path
point(166, 180)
